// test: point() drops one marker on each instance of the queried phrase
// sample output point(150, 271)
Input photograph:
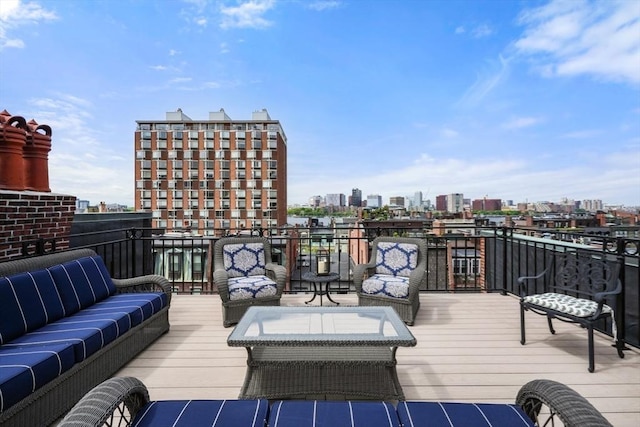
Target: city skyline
point(532, 100)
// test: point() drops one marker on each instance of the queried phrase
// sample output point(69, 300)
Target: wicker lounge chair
point(393, 275)
point(245, 275)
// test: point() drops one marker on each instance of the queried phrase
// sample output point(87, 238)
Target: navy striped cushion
point(321, 413)
point(27, 302)
point(85, 337)
point(196, 413)
point(82, 282)
point(423, 414)
point(24, 370)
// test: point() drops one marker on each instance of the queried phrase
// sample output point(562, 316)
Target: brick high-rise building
point(220, 173)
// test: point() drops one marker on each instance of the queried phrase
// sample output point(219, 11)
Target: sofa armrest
point(572, 409)
point(106, 403)
point(360, 272)
point(221, 280)
point(277, 273)
point(147, 283)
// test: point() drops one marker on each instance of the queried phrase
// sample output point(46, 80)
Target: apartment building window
point(256, 164)
point(241, 194)
point(177, 174)
point(251, 213)
point(208, 174)
point(256, 204)
point(162, 143)
point(256, 174)
point(235, 154)
point(225, 223)
point(194, 194)
point(272, 144)
point(161, 174)
point(140, 155)
point(219, 214)
point(251, 154)
point(209, 204)
point(241, 174)
point(145, 134)
point(240, 144)
point(235, 184)
point(225, 174)
point(219, 154)
point(187, 184)
point(225, 204)
point(187, 154)
point(177, 144)
point(162, 134)
point(146, 164)
point(272, 194)
point(146, 174)
point(204, 154)
point(146, 204)
point(177, 204)
point(273, 175)
point(177, 164)
point(162, 164)
point(272, 135)
point(156, 183)
point(193, 143)
point(172, 184)
point(145, 145)
point(161, 204)
point(209, 134)
point(209, 144)
point(273, 205)
point(251, 183)
point(139, 184)
point(256, 144)
point(224, 164)
point(235, 213)
point(466, 266)
point(272, 164)
point(224, 143)
point(177, 194)
point(173, 154)
point(267, 183)
point(267, 154)
point(177, 134)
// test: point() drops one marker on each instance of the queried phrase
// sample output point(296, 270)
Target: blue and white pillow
point(396, 259)
point(244, 259)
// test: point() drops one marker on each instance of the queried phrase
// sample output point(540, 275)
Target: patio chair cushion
point(396, 259)
point(386, 285)
point(309, 413)
point(197, 413)
point(423, 414)
point(244, 259)
point(82, 282)
point(566, 304)
point(27, 302)
point(23, 370)
point(251, 287)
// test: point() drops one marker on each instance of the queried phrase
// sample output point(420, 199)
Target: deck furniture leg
point(591, 355)
point(523, 337)
point(553, 331)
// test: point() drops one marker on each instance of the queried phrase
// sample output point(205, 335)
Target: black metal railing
point(468, 259)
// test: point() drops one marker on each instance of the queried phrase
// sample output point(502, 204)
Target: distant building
point(455, 202)
point(219, 173)
point(396, 201)
point(335, 199)
point(441, 203)
point(374, 201)
point(486, 204)
point(356, 198)
point(592, 205)
point(315, 201)
point(82, 206)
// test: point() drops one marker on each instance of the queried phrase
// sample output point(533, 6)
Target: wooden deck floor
point(468, 350)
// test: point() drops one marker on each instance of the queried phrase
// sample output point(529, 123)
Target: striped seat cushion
point(200, 413)
point(309, 413)
point(24, 370)
point(423, 414)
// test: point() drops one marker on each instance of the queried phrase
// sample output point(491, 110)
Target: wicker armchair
point(245, 276)
point(393, 275)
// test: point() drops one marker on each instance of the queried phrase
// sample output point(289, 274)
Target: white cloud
point(482, 31)
point(248, 14)
point(569, 37)
point(449, 133)
point(582, 134)
point(158, 67)
point(460, 30)
point(521, 122)
point(15, 14)
point(321, 5)
point(486, 83)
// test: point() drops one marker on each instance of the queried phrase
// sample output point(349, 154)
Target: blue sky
point(520, 100)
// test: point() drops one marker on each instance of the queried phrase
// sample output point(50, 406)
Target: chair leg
point(591, 355)
point(523, 337)
point(553, 331)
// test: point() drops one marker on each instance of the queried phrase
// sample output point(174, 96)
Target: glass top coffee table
point(321, 352)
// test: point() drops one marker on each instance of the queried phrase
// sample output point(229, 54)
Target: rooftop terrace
point(468, 350)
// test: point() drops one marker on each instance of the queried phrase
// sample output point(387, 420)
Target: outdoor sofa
point(124, 401)
point(66, 326)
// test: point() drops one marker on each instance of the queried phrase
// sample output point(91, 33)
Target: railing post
point(504, 261)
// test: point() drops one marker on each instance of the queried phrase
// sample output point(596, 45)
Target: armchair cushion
point(251, 287)
point(244, 259)
point(566, 304)
point(386, 285)
point(396, 259)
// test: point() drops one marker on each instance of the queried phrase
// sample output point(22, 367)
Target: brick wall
point(35, 219)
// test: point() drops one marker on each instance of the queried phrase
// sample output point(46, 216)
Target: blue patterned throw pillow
point(396, 259)
point(244, 259)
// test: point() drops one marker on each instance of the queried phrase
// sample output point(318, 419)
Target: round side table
point(316, 281)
